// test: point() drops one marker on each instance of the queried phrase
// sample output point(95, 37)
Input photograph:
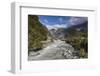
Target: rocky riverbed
point(56, 50)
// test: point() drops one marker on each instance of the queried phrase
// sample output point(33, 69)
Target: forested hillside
point(36, 33)
point(78, 38)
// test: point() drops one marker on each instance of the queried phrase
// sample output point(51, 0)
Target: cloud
point(56, 26)
point(77, 20)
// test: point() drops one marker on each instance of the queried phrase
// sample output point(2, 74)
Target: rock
point(56, 50)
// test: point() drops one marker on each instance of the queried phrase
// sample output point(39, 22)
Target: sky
point(52, 22)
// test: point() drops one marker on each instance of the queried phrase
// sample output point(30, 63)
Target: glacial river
point(56, 50)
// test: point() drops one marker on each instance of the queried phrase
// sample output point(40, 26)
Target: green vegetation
point(36, 33)
point(78, 39)
point(74, 35)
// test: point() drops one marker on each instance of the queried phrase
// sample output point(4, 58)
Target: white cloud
point(56, 26)
point(77, 20)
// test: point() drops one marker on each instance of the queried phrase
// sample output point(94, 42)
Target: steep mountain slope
point(73, 30)
point(59, 33)
point(36, 33)
point(75, 35)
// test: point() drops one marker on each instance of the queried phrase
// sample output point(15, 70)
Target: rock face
point(59, 33)
point(63, 33)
